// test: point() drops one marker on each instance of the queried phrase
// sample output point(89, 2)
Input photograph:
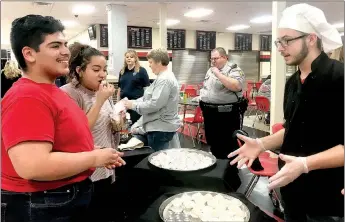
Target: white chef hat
point(309, 19)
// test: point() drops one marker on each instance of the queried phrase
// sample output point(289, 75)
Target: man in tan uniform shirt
point(219, 101)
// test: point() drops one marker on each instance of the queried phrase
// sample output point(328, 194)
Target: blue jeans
point(156, 140)
point(64, 204)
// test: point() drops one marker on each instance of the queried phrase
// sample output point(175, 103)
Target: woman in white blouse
point(88, 68)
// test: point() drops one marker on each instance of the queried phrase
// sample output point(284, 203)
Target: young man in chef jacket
point(311, 162)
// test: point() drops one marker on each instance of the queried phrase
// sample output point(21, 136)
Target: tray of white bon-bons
point(200, 206)
point(182, 159)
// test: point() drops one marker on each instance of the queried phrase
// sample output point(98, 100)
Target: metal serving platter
point(167, 215)
point(206, 154)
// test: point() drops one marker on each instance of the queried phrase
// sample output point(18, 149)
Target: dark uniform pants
point(219, 127)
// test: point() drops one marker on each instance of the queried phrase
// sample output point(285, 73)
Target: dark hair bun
point(80, 56)
point(77, 49)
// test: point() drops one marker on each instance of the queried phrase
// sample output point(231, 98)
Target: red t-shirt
point(41, 112)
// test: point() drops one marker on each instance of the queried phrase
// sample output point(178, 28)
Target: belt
point(211, 105)
point(221, 108)
point(82, 185)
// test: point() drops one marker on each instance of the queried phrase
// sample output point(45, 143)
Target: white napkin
point(132, 144)
point(119, 111)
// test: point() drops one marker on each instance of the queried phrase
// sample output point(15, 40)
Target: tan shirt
point(102, 132)
point(215, 92)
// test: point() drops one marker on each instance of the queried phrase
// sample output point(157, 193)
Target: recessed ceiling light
point(262, 19)
point(338, 25)
point(198, 13)
point(69, 23)
point(237, 27)
point(170, 22)
point(83, 9)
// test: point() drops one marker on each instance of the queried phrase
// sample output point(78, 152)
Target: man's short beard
point(301, 56)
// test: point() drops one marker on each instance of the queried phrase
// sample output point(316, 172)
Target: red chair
point(276, 127)
point(251, 102)
point(262, 107)
point(183, 86)
point(190, 87)
point(249, 88)
point(258, 85)
point(191, 92)
point(270, 166)
point(197, 119)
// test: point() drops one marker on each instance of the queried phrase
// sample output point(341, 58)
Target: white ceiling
point(147, 14)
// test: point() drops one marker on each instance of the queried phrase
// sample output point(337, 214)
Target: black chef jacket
point(314, 115)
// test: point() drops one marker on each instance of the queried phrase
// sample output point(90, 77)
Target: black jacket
point(6, 83)
point(314, 115)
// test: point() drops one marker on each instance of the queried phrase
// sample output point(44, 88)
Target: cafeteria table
point(152, 212)
point(139, 191)
point(219, 177)
point(142, 184)
point(132, 158)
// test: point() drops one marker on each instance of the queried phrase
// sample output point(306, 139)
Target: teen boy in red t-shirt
point(47, 150)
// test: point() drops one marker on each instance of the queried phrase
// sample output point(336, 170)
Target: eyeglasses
point(285, 42)
point(216, 58)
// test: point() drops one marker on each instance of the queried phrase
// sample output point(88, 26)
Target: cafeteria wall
point(223, 39)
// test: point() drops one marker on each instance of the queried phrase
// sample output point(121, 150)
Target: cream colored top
point(102, 132)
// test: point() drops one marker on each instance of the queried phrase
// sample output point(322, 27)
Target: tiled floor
point(258, 124)
point(259, 196)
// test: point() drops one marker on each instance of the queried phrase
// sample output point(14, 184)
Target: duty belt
point(220, 107)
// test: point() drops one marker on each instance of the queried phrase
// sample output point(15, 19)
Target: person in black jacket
point(133, 79)
point(311, 162)
point(9, 75)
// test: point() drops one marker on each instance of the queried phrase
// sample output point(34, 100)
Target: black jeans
point(156, 140)
point(219, 127)
point(64, 204)
point(102, 204)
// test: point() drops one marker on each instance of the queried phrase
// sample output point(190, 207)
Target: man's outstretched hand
point(246, 153)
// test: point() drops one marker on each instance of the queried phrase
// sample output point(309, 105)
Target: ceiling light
point(197, 13)
point(69, 23)
point(83, 9)
point(170, 22)
point(262, 19)
point(237, 27)
point(338, 25)
point(342, 34)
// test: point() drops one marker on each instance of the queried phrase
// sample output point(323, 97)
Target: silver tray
point(169, 216)
point(213, 158)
